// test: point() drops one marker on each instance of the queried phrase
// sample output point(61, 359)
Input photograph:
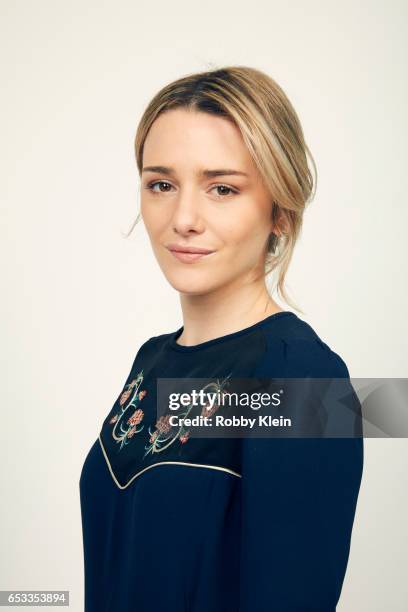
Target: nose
point(187, 213)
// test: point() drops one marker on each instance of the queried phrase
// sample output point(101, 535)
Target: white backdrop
point(79, 299)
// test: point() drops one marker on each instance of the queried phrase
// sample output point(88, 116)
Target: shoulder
point(153, 345)
point(293, 348)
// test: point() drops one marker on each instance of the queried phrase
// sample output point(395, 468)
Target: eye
point(151, 186)
point(225, 188)
point(167, 187)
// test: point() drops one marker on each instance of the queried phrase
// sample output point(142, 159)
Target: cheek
point(153, 218)
point(250, 230)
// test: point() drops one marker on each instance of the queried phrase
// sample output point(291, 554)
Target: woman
point(179, 523)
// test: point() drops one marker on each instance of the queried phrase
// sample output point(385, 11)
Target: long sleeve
point(299, 499)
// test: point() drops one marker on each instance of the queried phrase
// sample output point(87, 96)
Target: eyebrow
point(205, 173)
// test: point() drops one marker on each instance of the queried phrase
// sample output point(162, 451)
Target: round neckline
point(202, 345)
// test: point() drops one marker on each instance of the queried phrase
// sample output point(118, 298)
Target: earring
point(272, 242)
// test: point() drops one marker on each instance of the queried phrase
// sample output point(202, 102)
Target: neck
point(224, 311)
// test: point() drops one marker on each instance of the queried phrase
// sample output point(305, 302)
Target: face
point(201, 189)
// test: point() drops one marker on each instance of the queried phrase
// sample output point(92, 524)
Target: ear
point(279, 223)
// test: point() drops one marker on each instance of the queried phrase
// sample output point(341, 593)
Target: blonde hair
point(271, 130)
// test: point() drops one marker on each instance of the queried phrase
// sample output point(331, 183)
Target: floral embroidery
point(130, 391)
point(184, 437)
point(162, 438)
point(208, 410)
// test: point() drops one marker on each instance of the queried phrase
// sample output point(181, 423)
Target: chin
point(191, 284)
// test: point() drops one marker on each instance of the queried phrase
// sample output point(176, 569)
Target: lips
point(179, 248)
point(188, 254)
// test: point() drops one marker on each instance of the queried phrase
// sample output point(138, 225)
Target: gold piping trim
point(211, 467)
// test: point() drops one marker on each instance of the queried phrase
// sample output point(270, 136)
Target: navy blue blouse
point(218, 524)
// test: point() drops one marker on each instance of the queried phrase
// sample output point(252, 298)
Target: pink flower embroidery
point(208, 411)
point(128, 391)
point(136, 417)
point(163, 424)
point(128, 400)
point(183, 439)
point(125, 396)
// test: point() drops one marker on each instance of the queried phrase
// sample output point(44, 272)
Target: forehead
point(185, 139)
